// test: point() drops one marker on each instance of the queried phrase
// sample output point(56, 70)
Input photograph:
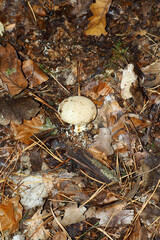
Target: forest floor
point(57, 180)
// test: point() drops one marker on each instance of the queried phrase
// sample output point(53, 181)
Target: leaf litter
point(100, 183)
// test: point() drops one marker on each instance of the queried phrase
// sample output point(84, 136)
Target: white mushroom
point(77, 110)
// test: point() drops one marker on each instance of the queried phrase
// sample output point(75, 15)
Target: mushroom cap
point(77, 110)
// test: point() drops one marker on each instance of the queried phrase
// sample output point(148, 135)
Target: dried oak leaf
point(17, 109)
point(24, 131)
point(10, 215)
point(33, 73)
point(11, 76)
point(97, 22)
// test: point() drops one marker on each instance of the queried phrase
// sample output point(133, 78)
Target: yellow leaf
point(97, 22)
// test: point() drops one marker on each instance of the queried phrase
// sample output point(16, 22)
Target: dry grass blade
point(59, 83)
point(43, 102)
point(34, 16)
point(100, 189)
point(42, 145)
point(60, 225)
point(101, 230)
point(141, 210)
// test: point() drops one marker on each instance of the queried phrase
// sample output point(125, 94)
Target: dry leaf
point(134, 120)
point(110, 110)
point(10, 215)
point(80, 7)
point(97, 22)
point(115, 216)
point(39, 10)
point(97, 153)
point(32, 190)
point(11, 76)
point(24, 131)
point(17, 109)
point(103, 141)
point(33, 73)
point(10, 27)
point(129, 77)
point(72, 214)
point(152, 75)
point(100, 89)
point(60, 236)
point(137, 231)
point(36, 228)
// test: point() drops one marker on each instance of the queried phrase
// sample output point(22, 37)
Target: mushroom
point(78, 111)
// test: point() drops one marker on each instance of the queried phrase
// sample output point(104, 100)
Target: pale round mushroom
point(77, 110)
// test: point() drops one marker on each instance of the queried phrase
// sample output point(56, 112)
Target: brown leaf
point(11, 76)
point(80, 7)
point(36, 227)
point(39, 10)
point(152, 75)
point(73, 214)
point(24, 131)
point(137, 231)
point(97, 22)
point(115, 216)
point(100, 89)
point(10, 214)
point(17, 109)
point(60, 236)
point(103, 141)
point(33, 73)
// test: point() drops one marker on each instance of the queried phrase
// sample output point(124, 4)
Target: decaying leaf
point(24, 131)
point(103, 141)
point(100, 89)
point(134, 120)
point(73, 214)
point(80, 7)
point(97, 22)
point(17, 109)
point(36, 228)
point(115, 216)
point(60, 236)
point(10, 215)
point(129, 77)
point(11, 76)
point(32, 190)
point(152, 75)
point(33, 73)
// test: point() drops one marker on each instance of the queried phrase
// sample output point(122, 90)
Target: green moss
point(10, 71)
point(119, 53)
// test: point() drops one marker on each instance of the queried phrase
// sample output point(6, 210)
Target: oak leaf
point(10, 214)
point(24, 131)
point(11, 76)
point(97, 22)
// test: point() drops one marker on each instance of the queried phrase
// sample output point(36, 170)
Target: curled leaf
point(11, 76)
point(97, 22)
point(10, 214)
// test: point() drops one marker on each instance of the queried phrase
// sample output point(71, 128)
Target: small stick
point(79, 77)
point(59, 83)
point(34, 16)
